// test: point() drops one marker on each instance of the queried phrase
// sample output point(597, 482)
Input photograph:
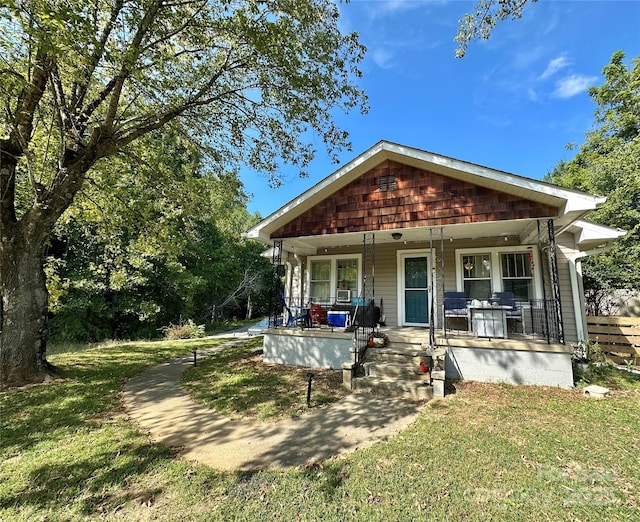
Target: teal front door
point(415, 290)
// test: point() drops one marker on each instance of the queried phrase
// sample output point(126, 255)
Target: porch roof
point(571, 205)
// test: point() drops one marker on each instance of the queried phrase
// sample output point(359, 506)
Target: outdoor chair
point(303, 318)
point(513, 312)
point(318, 314)
point(455, 307)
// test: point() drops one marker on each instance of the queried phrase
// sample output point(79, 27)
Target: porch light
point(396, 236)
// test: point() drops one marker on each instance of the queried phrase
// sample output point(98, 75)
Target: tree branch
point(131, 56)
point(80, 88)
point(14, 147)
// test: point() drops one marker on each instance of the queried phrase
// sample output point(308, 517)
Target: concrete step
point(407, 354)
point(407, 335)
point(391, 369)
point(416, 389)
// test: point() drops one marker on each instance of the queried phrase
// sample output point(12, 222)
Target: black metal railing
point(536, 318)
point(544, 319)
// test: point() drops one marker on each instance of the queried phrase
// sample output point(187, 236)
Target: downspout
point(575, 270)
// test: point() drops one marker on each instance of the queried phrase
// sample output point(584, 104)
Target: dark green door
point(416, 290)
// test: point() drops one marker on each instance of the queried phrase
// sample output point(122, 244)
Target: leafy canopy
point(152, 238)
point(608, 163)
point(480, 23)
point(250, 79)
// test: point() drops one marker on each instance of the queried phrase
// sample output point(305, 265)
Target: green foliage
point(84, 87)
point(608, 163)
point(154, 236)
point(588, 351)
point(487, 13)
point(184, 330)
point(608, 376)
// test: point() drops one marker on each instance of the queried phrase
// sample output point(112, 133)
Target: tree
point(608, 163)
point(487, 13)
point(145, 243)
point(82, 80)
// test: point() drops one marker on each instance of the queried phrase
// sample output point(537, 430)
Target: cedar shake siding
point(393, 195)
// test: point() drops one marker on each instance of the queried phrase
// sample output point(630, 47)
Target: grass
point(486, 452)
point(608, 376)
point(236, 383)
point(227, 325)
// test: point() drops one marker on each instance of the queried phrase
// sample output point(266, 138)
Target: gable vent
point(388, 182)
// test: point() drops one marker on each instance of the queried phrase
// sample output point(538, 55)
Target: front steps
point(394, 371)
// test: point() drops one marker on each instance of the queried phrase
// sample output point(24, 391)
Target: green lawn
point(238, 384)
point(486, 452)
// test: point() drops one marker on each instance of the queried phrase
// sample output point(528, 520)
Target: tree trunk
point(24, 313)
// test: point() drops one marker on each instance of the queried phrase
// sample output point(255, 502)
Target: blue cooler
point(340, 319)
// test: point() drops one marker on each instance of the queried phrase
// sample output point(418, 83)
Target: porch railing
point(535, 319)
point(544, 320)
point(363, 318)
point(365, 324)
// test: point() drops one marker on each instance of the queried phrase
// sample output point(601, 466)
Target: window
point(320, 287)
point(328, 274)
point(503, 269)
point(517, 274)
point(347, 273)
point(476, 275)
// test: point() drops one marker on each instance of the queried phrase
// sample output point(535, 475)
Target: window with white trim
point(480, 272)
point(320, 284)
point(476, 275)
point(328, 274)
point(516, 272)
point(347, 273)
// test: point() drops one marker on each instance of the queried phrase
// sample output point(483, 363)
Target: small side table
point(489, 321)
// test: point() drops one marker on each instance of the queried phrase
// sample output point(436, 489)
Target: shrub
point(588, 351)
point(184, 330)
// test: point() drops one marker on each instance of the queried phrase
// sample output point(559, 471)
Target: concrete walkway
point(156, 401)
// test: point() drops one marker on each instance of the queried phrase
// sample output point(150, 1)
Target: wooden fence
point(619, 337)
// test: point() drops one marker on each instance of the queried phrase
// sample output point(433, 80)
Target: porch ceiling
point(310, 245)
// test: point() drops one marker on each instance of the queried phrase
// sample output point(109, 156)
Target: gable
point(394, 195)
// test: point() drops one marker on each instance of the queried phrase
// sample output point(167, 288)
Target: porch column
point(555, 283)
point(276, 263)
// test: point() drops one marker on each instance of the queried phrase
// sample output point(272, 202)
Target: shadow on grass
point(68, 437)
point(103, 478)
point(237, 383)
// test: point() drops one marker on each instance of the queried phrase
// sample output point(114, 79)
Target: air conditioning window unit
point(343, 296)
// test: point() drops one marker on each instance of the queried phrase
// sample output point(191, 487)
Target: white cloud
point(390, 7)
point(554, 66)
point(573, 84)
point(383, 58)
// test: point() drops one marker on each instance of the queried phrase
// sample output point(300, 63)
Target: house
point(444, 255)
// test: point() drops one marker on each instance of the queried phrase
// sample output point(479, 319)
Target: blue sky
point(512, 103)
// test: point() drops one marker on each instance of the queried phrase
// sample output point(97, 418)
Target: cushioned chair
point(513, 312)
point(292, 319)
point(455, 306)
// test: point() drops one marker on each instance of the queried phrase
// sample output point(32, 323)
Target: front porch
point(487, 263)
point(519, 359)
